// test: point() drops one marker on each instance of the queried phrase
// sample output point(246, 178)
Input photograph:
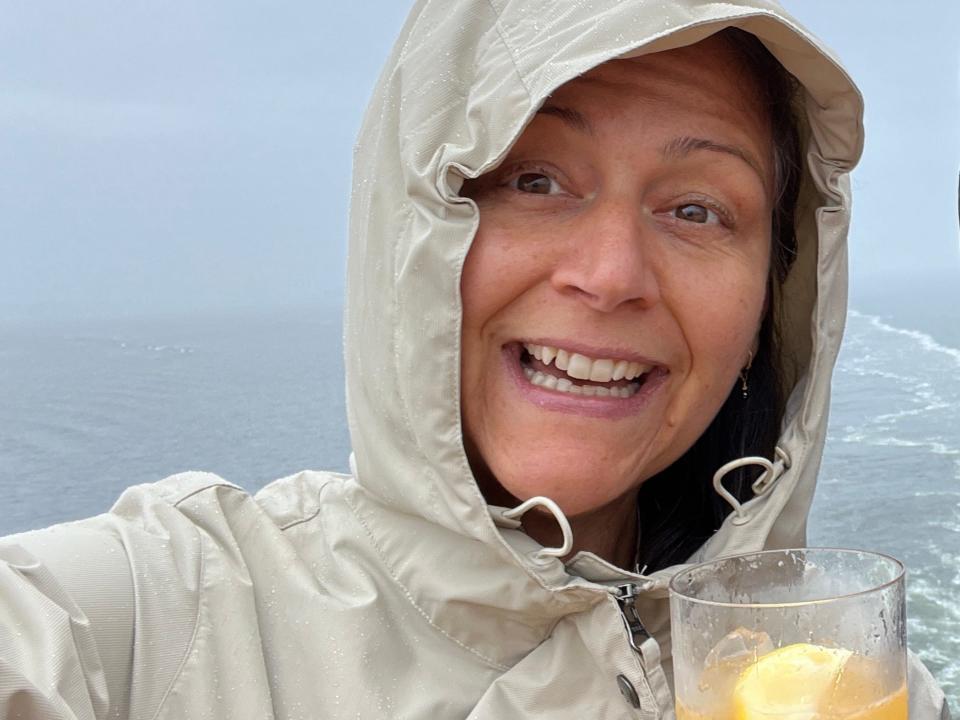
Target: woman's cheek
point(724, 312)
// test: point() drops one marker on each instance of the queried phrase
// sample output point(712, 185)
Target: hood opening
point(460, 86)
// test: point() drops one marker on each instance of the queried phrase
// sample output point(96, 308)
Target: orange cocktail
point(797, 682)
point(791, 635)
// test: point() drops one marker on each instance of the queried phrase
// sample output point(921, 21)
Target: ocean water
point(89, 408)
point(890, 478)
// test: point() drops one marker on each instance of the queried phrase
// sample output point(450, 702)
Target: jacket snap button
point(626, 689)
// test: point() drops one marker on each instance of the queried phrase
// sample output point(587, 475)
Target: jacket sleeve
point(66, 624)
point(927, 701)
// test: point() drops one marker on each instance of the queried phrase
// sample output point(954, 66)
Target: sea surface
point(90, 407)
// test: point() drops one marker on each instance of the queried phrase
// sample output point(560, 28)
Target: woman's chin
point(577, 486)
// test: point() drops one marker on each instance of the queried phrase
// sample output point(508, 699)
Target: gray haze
point(162, 157)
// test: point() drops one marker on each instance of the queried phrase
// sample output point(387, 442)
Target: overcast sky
point(165, 156)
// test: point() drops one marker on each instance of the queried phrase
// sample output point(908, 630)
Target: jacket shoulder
point(172, 490)
point(90, 588)
point(137, 609)
point(71, 585)
point(927, 700)
point(298, 498)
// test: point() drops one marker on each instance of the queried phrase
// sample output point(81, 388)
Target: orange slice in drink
point(811, 682)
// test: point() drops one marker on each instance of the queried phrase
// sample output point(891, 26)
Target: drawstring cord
point(760, 486)
point(545, 502)
point(740, 517)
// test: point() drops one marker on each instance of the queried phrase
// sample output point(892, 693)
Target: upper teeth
point(582, 367)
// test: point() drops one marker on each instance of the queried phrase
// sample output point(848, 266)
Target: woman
point(594, 196)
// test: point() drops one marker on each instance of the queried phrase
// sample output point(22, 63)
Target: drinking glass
point(802, 634)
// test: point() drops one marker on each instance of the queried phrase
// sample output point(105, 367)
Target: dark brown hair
point(678, 508)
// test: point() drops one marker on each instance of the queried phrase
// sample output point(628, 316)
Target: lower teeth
point(564, 385)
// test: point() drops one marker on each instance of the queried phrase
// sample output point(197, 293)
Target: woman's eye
point(696, 213)
point(535, 183)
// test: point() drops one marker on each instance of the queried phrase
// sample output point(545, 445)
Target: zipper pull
point(626, 598)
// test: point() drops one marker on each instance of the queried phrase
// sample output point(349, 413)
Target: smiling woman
point(597, 250)
point(617, 287)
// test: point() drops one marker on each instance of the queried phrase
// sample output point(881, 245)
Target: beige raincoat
point(397, 592)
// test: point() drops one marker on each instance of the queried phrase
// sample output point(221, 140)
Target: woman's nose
point(609, 259)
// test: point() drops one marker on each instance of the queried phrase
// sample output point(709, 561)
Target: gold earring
point(744, 373)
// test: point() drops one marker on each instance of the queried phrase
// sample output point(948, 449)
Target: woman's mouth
point(573, 373)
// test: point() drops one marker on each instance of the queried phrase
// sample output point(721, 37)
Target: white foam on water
point(129, 344)
point(923, 340)
point(910, 390)
point(935, 634)
point(938, 448)
point(855, 368)
point(936, 403)
point(183, 350)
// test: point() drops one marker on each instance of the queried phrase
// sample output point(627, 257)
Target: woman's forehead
point(709, 71)
point(704, 85)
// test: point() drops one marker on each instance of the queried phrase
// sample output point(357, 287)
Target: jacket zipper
point(626, 595)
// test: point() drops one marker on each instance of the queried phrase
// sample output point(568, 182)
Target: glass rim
point(898, 576)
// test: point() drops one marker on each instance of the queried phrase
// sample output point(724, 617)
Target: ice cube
point(738, 648)
point(734, 653)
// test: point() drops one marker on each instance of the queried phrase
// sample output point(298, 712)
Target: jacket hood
point(460, 85)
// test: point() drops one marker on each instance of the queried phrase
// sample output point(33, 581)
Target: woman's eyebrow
point(573, 118)
point(680, 147)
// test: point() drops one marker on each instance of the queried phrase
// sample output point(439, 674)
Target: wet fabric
point(396, 592)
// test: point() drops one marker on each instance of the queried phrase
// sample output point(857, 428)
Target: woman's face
point(617, 281)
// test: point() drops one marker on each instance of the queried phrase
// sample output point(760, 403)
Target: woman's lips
point(584, 386)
